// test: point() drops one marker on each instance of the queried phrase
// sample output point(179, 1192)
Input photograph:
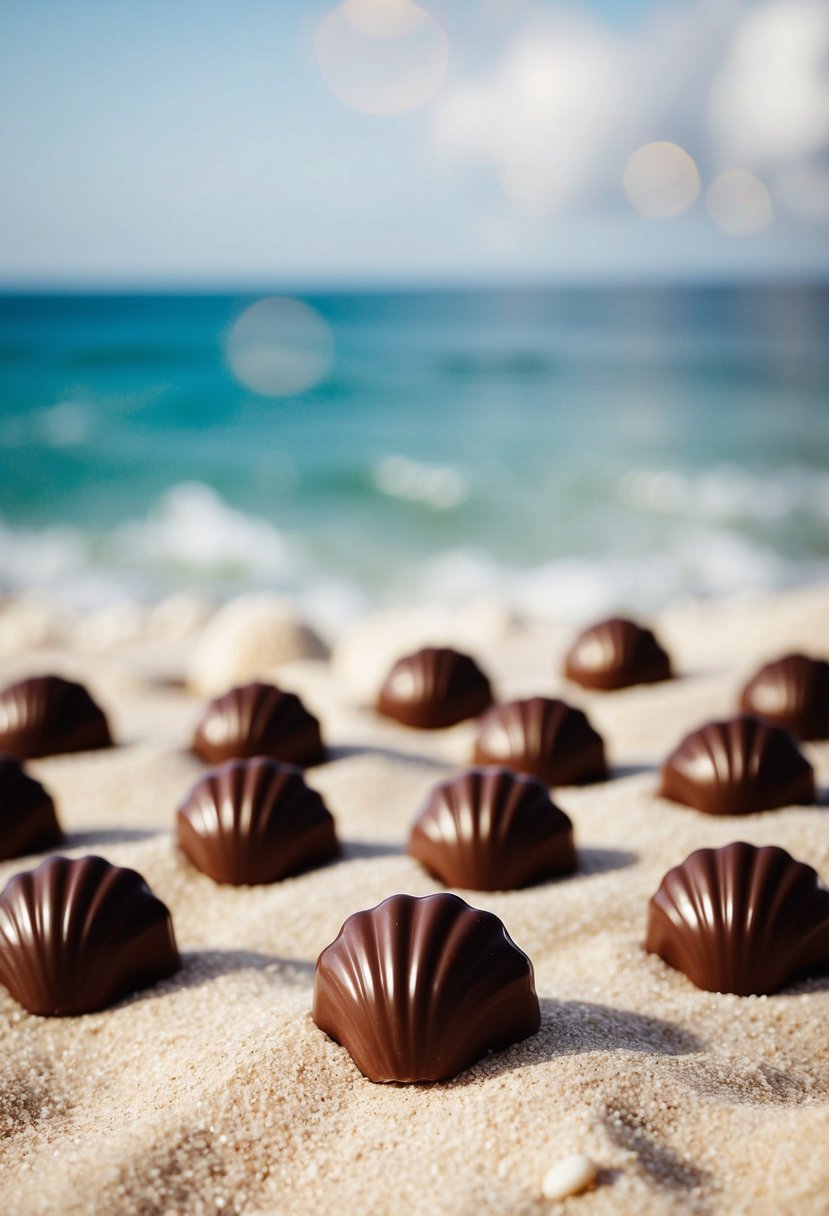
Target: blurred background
point(384, 302)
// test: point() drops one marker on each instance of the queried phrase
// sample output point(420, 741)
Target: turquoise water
point(572, 450)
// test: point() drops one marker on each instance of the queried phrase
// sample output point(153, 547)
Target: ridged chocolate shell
point(45, 715)
point(489, 829)
point(258, 720)
point(255, 821)
point(28, 823)
point(792, 692)
point(738, 767)
point(418, 989)
point(434, 688)
point(740, 919)
point(616, 653)
point(77, 935)
point(545, 738)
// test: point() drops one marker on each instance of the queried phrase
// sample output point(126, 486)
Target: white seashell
point(570, 1176)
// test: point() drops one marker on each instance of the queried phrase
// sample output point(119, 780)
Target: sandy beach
point(215, 1092)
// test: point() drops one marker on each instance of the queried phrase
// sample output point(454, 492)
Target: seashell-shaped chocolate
point(738, 767)
point(418, 989)
point(44, 715)
point(740, 919)
point(77, 935)
point(433, 688)
point(255, 821)
point(545, 738)
point(258, 720)
point(489, 829)
point(28, 823)
point(616, 653)
point(792, 692)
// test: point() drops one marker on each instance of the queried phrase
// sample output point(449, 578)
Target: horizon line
point(400, 286)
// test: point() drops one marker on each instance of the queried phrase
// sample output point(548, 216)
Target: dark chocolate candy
point(616, 653)
point(77, 935)
point(546, 739)
point(792, 692)
point(738, 767)
point(489, 829)
point(434, 688)
point(258, 720)
point(28, 823)
point(418, 989)
point(255, 821)
point(740, 919)
point(44, 715)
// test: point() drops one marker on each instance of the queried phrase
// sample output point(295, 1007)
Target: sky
point(304, 143)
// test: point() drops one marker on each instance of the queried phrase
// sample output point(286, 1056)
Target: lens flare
point(382, 56)
point(739, 203)
point(661, 180)
point(279, 347)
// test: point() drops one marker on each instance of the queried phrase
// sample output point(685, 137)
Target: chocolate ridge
point(47, 715)
point(738, 767)
point(740, 919)
point(28, 822)
point(434, 688)
point(489, 829)
point(258, 719)
point(792, 692)
point(616, 653)
point(419, 988)
point(76, 935)
point(544, 738)
point(255, 821)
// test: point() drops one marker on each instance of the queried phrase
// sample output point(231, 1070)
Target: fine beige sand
point(215, 1092)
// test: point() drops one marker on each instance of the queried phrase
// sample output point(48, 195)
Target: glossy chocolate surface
point(434, 688)
point(46, 715)
point(792, 692)
point(258, 720)
point(255, 821)
point(77, 935)
point(489, 829)
point(544, 738)
point(418, 989)
point(738, 767)
point(616, 653)
point(28, 823)
point(740, 919)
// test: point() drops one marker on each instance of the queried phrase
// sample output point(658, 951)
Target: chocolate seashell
point(418, 989)
point(792, 692)
point(255, 821)
point(28, 823)
point(489, 829)
point(616, 653)
point(258, 720)
point(546, 739)
point(434, 688)
point(44, 715)
point(740, 919)
point(738, 767)
point(77, 935)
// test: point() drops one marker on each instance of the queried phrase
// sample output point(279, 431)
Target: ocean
point(571, 451)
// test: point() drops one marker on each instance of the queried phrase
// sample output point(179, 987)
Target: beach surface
point(215, 1092)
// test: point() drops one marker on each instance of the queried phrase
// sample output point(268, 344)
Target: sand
point(215, 1092)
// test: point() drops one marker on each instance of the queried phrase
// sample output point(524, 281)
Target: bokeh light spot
point(739, 203)
point(382, 56)
point(279, 347)
point(661, 180)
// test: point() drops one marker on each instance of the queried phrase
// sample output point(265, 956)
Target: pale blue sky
point(196, 143)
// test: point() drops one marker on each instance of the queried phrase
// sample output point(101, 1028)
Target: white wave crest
point(728, 493)
point(440, 487)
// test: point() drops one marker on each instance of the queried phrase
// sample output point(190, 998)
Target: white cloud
point(738, 85)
